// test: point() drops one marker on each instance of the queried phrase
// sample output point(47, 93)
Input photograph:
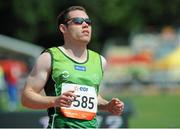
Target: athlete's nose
point(85, 25)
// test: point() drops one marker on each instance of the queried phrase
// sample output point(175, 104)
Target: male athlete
point(70, 76)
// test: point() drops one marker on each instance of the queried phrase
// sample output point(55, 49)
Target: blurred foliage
point(35, 20)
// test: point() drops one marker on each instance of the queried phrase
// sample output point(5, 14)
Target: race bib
point(84, 105)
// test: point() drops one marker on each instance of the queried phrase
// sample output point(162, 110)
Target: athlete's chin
point(85, 40)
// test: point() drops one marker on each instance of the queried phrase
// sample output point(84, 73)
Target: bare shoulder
point(44, 61)
point(42, 65)
point(104, 62)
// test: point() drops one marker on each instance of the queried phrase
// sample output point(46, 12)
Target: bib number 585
point(84, 102)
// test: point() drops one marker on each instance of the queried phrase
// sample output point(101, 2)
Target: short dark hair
point(64, 14)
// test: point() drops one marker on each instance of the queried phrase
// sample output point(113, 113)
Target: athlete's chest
point(87, 73)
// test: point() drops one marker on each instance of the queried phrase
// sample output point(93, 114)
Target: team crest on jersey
point(65, 75)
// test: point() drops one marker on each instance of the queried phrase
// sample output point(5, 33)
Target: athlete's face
point(78, 26)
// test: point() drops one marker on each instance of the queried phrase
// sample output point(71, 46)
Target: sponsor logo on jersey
point(79, 68)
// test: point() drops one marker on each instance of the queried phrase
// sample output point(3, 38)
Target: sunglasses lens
point(88, 21)
point(79, 21)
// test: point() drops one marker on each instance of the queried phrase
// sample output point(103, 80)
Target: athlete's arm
point(114, 106)
point(36, 81)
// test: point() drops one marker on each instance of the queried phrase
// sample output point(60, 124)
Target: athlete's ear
point(63, 28)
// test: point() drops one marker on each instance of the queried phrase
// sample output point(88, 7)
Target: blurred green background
point(35, 20)
point(140, 40)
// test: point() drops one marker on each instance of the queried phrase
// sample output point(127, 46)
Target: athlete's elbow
point(24, 100)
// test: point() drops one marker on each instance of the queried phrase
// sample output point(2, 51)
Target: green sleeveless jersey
point(66, 70)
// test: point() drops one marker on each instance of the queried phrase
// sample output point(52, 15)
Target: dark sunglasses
point(79, 21)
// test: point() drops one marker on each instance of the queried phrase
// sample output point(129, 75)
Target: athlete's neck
point(78, 53)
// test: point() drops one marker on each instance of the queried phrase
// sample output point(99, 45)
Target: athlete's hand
point(115, 106)
point(65, 100)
